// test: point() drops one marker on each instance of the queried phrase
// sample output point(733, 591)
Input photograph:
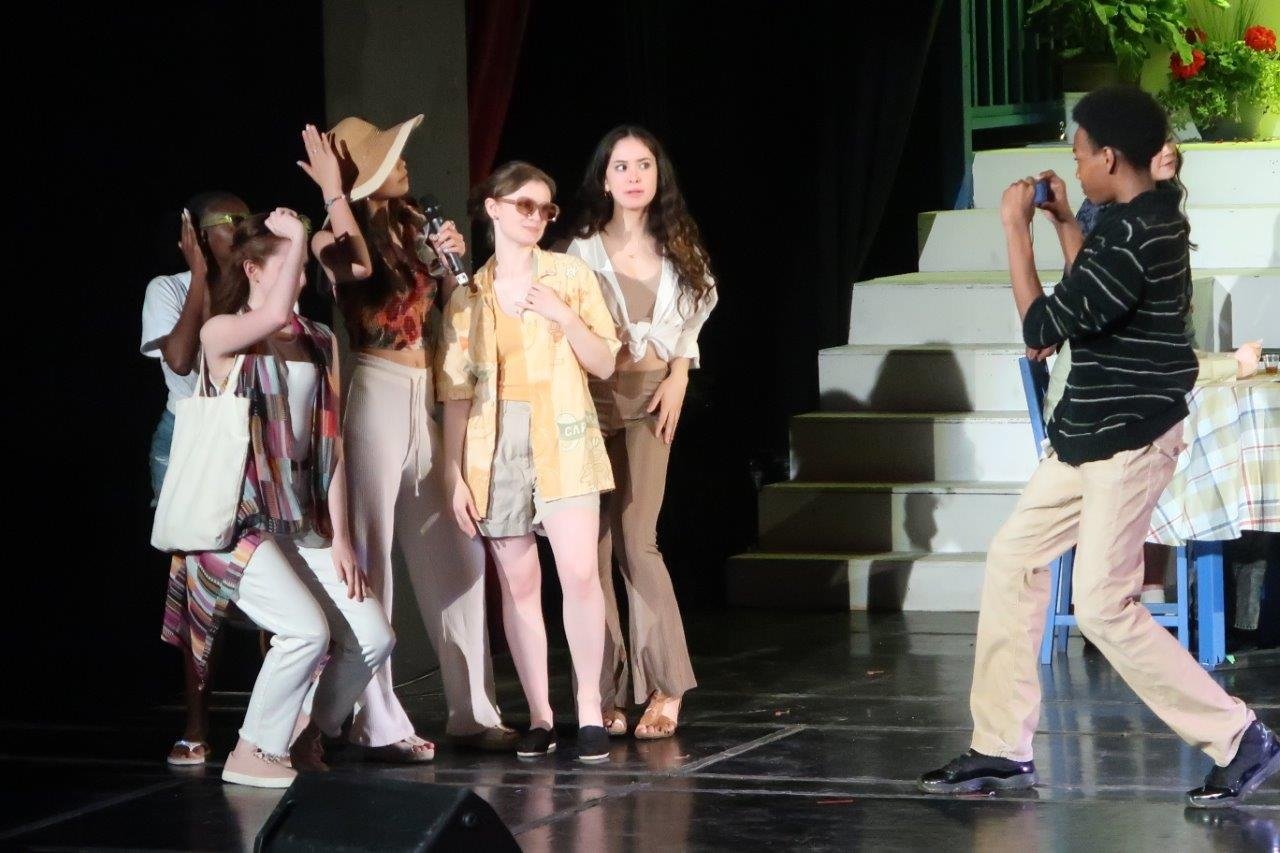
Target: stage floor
point(806, 733)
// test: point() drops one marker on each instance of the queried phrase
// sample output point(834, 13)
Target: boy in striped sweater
point(1115, 437)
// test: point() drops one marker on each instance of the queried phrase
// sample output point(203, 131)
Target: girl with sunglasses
point(635, 231)
point(174, 308)
point(387, 280)
point(292, 569)
point(524, 452)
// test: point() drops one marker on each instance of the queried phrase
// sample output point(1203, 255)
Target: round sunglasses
point(527, 207)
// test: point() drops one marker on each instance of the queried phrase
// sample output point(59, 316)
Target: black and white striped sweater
point(1123, 307)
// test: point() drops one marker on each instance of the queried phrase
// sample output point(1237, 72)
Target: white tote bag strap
point(234, 374)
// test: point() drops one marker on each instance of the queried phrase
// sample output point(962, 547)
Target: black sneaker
point(536, 743)
point(593, 744)
point(974, 771)
point(1256, 759)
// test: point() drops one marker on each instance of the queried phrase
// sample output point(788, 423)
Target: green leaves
point(1233, 76)
point(1123, 29)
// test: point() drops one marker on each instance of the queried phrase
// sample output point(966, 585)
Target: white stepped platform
point(924, 446)
point(1214, 173)
point(1246, 307)
point(1227, 237)
point(936, 308)
point(976, 307)
point(862, 447)
point(920, 378)
point(862, 517)
point(883, 581)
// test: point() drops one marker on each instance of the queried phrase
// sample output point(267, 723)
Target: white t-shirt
point(161, 308)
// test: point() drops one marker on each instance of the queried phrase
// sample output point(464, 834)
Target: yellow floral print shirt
point(569, 457)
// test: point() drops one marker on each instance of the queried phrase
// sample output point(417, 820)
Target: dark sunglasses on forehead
point(213, 220)
point(527, 207)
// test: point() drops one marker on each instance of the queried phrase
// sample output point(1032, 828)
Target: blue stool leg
point(1064, 596)
point(1184, 598)
point(1051, 624)
point(1210, 606)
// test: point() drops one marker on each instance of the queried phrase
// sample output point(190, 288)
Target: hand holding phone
point(1044, 193)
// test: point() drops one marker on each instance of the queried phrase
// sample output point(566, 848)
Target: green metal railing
point(1007, 75)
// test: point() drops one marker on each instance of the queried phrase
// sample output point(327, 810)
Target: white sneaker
point(248, 765)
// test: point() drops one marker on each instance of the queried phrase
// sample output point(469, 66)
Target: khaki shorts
point(516, 507)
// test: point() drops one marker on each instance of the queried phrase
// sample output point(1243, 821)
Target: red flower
point(1195, 35)
point(1185, 72)
point(1260, 38)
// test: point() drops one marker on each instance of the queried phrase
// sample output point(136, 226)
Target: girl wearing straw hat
point(386, 279)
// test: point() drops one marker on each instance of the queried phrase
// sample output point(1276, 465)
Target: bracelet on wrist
point(329, 202)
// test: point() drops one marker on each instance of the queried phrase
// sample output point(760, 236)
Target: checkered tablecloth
point(1228, 478)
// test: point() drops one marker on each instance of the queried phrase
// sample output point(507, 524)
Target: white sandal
point(192, 758)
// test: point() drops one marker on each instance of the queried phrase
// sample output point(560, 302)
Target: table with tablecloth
point(1227, 481)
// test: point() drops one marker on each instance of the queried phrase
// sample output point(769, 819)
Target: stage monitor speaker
point(327, 811)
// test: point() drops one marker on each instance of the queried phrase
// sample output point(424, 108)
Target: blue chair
point(1208, 565)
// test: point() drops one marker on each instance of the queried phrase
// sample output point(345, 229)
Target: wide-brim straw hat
point(374, 151)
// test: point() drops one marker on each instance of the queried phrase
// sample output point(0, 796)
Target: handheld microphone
point(435, 221)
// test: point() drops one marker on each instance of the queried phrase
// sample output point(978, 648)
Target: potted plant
point(1233, 76)
point(1108, 40)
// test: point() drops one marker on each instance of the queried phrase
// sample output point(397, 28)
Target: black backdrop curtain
point(786, 124)
point(134, 109)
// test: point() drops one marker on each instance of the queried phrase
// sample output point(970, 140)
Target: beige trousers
point(1104, 509)
point(659, 658)
point(396, 499)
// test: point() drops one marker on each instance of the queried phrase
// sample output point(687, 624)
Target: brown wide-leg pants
point(659, 658)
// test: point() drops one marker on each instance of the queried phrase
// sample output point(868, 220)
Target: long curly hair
point(667, 219)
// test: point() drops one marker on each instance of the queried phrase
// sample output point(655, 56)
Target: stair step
point(894, 580)
point(939, 517)
point(847, 447)
point(1227, 236)
point(937, 309)
point(976, 307)
point(1214, 173)
point(1245, 306)
point(920, 377)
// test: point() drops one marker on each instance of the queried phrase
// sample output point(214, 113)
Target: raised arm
point(179, 347)
point(227, 334)
point(341, 248)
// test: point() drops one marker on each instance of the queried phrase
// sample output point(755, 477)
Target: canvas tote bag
point(203, 485)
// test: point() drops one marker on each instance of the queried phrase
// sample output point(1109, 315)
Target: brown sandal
point(410, 750)
point(653, 718)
